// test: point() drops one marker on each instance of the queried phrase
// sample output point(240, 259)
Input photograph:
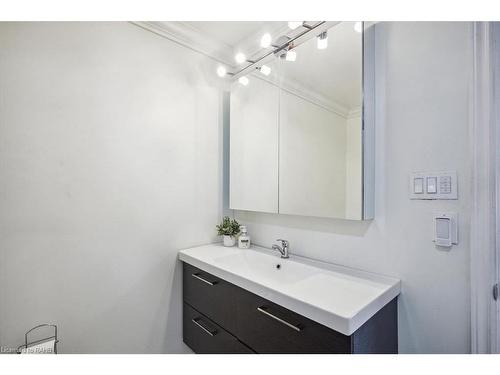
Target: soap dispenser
point(244, 238)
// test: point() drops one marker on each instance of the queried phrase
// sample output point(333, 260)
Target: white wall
point(423, 111)
point(109, 164)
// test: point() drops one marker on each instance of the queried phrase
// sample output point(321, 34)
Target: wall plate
point(433, 185)
point(445, 229)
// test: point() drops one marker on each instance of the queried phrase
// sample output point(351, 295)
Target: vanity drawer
point(269, 328)
point(210, 295)
point(205, 337)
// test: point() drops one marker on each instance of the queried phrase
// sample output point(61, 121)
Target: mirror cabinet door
point(253, 174)
point(312, 161)
point(320, 162)
point(297, 143)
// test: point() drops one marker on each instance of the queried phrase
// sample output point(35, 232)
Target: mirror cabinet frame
point(367, 131)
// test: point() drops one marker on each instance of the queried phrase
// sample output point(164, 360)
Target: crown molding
point(298, 89)
point(295, 88)
point(190, 37)
point(354, 112)
point(187, 36)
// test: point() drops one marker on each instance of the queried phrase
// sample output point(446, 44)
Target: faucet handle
point(284, 243)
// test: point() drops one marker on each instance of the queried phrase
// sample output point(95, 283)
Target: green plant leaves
point(228, 227)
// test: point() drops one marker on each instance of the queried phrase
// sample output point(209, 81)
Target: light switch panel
point(434, 185)
point(431, 185)
point(418, 185)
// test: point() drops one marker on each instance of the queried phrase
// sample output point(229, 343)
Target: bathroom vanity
point(252, 301)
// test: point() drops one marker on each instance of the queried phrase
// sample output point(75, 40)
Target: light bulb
point(294, 24)
point(240, 58)
point(291, 56)
point(266, 40)
point(243, 80)
point(322, 41)
point(221, 71)
point(264, 69)
point(358, 26)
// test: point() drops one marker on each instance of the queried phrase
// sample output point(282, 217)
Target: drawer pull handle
point(197, 276)
point(290, 325)
point(206, 330)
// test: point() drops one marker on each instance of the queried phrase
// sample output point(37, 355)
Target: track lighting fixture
point(291, 55)
point(243, 80)
point(283, 47)
point(221, 71)
point(322, 40)
point(264, 69)
point(240, 58)
point(266, 40)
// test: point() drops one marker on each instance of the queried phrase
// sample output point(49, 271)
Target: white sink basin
point(337, 297)
point(266, 268)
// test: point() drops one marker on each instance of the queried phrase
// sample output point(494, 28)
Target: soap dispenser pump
point(244, 238)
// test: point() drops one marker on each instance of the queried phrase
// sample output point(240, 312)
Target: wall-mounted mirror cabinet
point(301, 137)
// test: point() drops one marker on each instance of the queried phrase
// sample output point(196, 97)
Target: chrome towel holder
point(27, 343)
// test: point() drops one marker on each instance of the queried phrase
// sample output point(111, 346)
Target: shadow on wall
point(141, 319)
point(174, 315)
point(161, 307)
point(337, 226)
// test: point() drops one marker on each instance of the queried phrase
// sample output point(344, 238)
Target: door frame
point(496, 109)
point(485, 176)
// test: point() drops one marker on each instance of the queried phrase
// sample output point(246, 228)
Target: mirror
point(296, 136)
point(254, 129)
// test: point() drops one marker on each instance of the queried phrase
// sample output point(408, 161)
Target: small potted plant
point(229, 228)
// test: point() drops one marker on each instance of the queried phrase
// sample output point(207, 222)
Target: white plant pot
point(229, 241)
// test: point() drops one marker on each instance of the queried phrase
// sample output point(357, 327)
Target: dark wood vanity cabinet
point(220, 317)
point(205, 337)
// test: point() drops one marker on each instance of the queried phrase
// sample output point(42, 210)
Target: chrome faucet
point(283, 249)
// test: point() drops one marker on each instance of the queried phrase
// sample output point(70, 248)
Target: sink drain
point(278, 266)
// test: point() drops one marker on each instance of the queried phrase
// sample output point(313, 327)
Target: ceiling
point(233, 33)
point(333, 74)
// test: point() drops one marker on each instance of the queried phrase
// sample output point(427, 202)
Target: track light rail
point(309, 32)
